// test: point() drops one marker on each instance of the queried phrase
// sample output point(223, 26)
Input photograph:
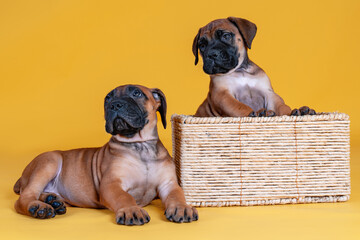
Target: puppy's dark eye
point(137, 93)
point(202, 46)
point(227, 36)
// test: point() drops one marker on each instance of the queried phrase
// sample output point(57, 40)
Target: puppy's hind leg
point(34, 179)
point(55, 201)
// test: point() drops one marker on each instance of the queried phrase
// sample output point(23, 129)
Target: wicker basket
point(262, 161)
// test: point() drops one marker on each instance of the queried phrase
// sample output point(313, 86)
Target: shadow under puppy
point(125, 174)
point(238, 87)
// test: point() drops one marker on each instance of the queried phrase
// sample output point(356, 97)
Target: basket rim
point(323, 116)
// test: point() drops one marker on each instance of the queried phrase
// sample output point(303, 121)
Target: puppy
point(238, 87)
point(125, 174)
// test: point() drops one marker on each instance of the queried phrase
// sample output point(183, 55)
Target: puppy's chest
point(140, 176)
point(143, 185)
point(146, 152)
point(248, 90)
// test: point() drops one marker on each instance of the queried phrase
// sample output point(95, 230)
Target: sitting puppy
point(238, 87)
point(125, 174)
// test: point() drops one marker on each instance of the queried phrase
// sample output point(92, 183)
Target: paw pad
point(56, 203)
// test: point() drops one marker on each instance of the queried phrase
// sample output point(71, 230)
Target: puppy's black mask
point(219, 51)
point(219, 54)
point(124, 111)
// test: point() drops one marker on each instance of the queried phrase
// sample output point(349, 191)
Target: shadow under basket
point(263, 160)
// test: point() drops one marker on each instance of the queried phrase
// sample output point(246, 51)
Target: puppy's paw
point(38, 209)
point(181, 213)
point(56, 202)
point(262, 113)
point(252, 114)
point(303, 111)
point(134, 215)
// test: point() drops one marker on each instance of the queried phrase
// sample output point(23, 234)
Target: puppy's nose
point(216, 54)
point(116, 106)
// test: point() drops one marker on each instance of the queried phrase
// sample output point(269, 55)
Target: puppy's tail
point(17, 186)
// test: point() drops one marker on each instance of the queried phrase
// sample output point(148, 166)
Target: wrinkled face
point(222, 45)
point(129, 108)
point(219, 48)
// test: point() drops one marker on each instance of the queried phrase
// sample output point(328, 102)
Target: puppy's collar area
point(135, 139)
point(245, 63)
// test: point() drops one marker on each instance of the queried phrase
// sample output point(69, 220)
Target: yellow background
point(58, 59)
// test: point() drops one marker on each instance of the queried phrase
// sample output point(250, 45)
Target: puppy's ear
point(159, 96)
point(246, 28)
point(195, 47)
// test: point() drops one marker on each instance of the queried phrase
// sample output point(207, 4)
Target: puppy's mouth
point(124, 128)
point(212, 66)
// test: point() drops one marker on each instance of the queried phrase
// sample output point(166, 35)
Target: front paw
point(262, 113)
point(181, 213)
point(132, 216)
point(303, 111)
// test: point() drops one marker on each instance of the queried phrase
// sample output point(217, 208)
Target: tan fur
point(123, 175)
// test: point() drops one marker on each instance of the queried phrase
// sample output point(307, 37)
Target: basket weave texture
point(262, 161)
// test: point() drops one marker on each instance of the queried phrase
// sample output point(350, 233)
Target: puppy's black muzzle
point(220, 58)
point(125, 117)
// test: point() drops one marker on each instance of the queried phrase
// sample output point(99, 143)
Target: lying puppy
point(238, 87)
point(125, 174)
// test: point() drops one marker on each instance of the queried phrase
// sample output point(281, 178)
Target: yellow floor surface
point(302, 221)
